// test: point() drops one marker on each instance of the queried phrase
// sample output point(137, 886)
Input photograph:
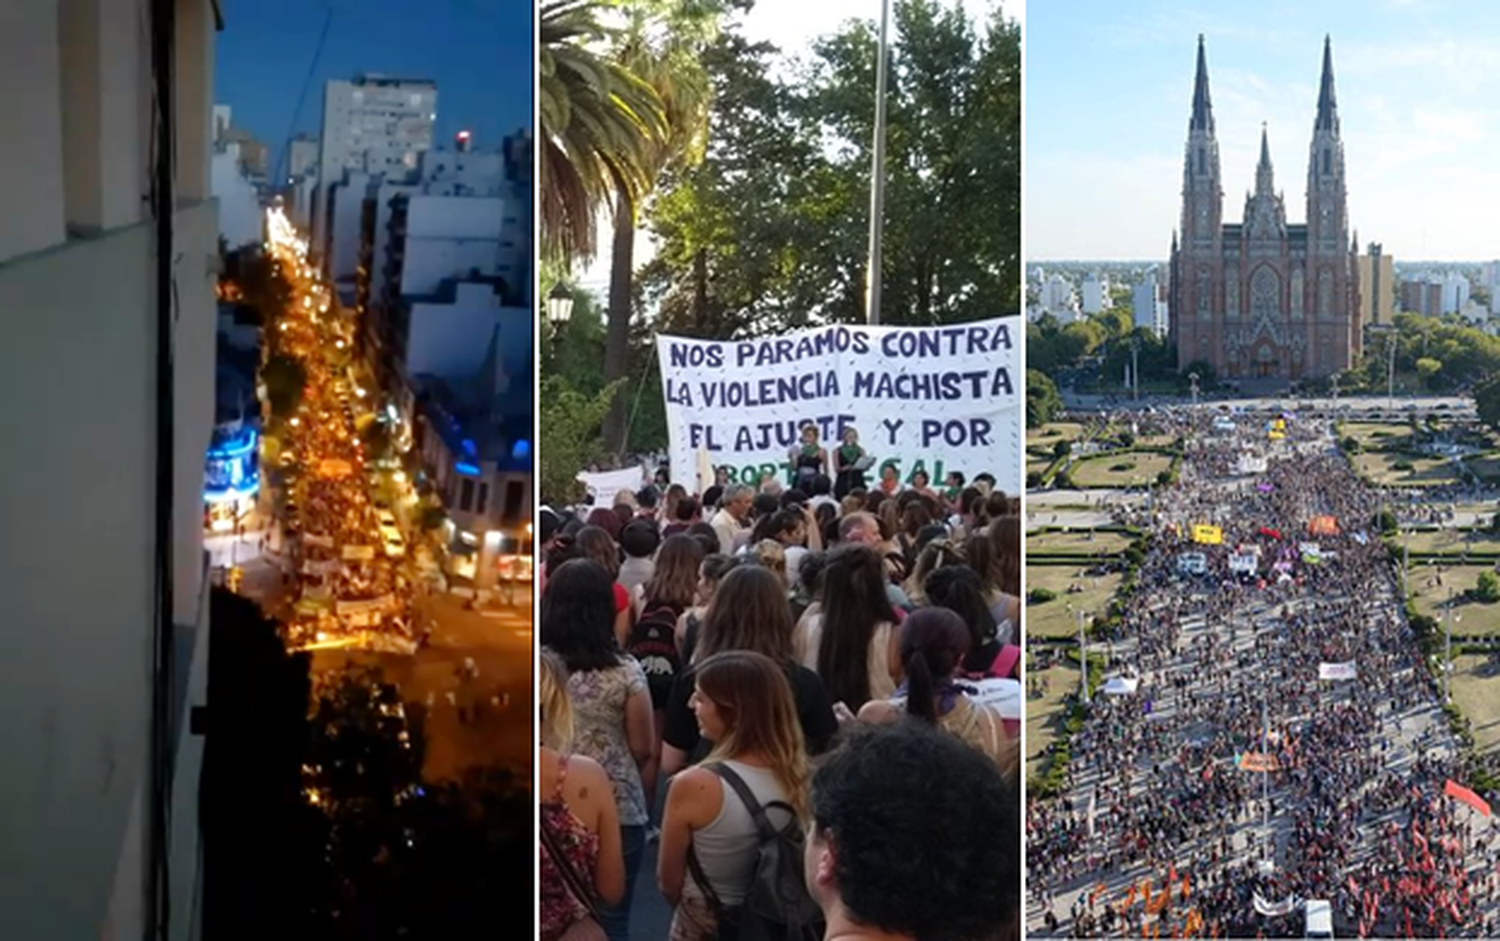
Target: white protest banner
point(1336, 671)
point(936, 399)
point(1244, 563)
point(1270, 909)
point(604, 486)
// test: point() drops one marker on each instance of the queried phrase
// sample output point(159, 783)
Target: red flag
point(1459, 792)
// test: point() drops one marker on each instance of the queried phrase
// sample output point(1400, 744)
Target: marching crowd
point(1233, 779)
point(808, 695)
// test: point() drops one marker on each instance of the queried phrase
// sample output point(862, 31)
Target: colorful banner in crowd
point(1207, 535)
point(935, 399)
point(1458, 792)
point(1336, 671)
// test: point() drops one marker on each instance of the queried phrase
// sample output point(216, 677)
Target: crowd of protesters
point(835, 662)
point(1233, 782)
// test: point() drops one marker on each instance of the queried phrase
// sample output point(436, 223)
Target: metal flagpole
point(877, 173)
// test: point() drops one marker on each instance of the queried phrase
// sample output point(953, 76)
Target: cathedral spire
point(1328, 106)
point(1203, 106)
point(1264, 183)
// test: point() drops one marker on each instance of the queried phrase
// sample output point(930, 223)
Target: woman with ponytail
point(933, 644)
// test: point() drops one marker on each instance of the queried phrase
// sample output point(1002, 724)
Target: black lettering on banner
point(933, 386)
point(695, 355)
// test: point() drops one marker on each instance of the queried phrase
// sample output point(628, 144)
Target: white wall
point(31, 186)
point(452, 340)
point(430, 261)
point(78, 549)
point(240, 215)
point(348, 204)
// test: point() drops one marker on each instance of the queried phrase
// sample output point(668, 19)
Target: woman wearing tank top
point(579, 816)
point(743, 704)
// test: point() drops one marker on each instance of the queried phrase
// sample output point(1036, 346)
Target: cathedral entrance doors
point(1265, 364)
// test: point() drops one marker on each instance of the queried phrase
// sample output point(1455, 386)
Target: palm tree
point(600, 126)
point(662, 44)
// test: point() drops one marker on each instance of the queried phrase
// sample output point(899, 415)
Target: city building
point(473, 438)
point(373, 124)
point(1422, 295)
point(1058, 298)
point(1149, 301)
point(1489, 277)
point(1094, 294)
point(1377, 286)
point(240, 214)
point(1456, 290)
point(1263, 299)
point(231, 478)
point(100, 815)
point(302, 157)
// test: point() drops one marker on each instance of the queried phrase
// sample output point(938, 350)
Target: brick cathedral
point(1263, 301)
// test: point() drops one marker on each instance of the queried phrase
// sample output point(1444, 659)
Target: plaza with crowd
point(1234, 781)
point(835, 660)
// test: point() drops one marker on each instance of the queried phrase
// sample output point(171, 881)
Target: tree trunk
point(700, 291)
point(617, 336)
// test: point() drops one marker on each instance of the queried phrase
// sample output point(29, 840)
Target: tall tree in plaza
point(770, 232)
point(662, 44)
point(600, 126)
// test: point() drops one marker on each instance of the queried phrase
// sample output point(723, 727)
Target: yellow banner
point(1207, 535)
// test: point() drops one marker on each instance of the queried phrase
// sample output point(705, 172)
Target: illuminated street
point(341, 563)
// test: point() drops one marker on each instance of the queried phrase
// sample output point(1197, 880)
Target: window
point(466, 495)
point(515, 493)
point(484, 498)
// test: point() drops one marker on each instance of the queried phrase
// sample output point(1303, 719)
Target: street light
point(559, 305)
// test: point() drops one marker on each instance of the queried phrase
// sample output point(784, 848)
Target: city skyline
point(1417, 147)
point(479, 52)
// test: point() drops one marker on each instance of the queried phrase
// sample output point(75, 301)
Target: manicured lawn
point(1052, 618)
point(1077, 543)
point(1474, 617)
point(1052, 432)
point(1377, 434)
point(1037, 465)
point(1119, 470)
point(1476, 692)
point(1380, 468)
point(1044, 715)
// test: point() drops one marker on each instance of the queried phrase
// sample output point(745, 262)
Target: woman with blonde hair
point(709, 838)
point(582, 863)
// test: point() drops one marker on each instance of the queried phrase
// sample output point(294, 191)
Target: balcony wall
point(77, 368)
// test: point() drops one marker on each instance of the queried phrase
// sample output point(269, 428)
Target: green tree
point(286, 379)
point(1487, 402)
point(770, 231)
point(1428, 370)
point(571, 439)
point(601, 125)
point(1487, 589)
point(1042, 399)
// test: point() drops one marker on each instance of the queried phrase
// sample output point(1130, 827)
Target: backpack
point(777, 905)
point(653, 642)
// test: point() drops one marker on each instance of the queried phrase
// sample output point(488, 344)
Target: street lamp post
point(1135, 369)
point(1083, 659)
point(559, 307)
point(1193, 382)
point(877, 172)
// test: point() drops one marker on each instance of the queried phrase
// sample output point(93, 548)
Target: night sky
point(478, 51)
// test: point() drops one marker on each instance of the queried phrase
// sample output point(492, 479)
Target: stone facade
point(1263, 301)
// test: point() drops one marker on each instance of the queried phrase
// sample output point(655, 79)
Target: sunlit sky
point(1109, 92)
point(792, 25)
